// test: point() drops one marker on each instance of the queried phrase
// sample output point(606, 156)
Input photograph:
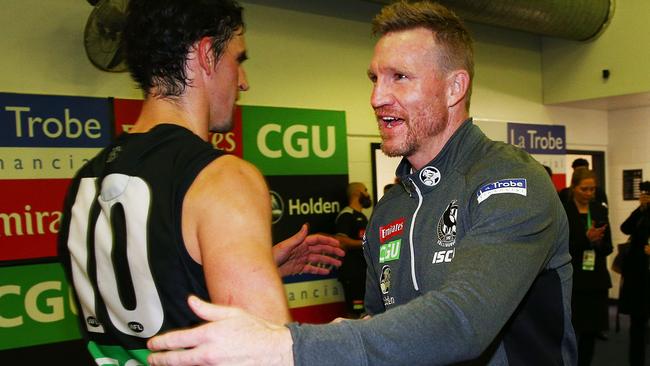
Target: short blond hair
point(455, 41)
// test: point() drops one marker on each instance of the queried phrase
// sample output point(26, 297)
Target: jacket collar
point(450, 158)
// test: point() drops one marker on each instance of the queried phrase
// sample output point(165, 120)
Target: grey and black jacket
point(471, 258)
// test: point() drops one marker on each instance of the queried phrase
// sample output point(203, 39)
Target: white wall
point(629, 148)
point(43, 53)
point(629, 133)
point(572, 69)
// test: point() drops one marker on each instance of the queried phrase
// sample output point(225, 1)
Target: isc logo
point(296, 141)
point(444, 256)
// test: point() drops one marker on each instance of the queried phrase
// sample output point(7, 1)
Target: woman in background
point(589, 243)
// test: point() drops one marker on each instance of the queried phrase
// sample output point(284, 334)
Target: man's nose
point(243, 81)
point(381, 95)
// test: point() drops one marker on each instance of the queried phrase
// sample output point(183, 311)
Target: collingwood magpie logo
point(430, 176)
point(277, 207)
point(384, 280)
point(446, 229)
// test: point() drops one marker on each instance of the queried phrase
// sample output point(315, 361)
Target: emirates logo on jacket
point(391, 230)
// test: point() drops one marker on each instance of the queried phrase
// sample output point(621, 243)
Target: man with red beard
point(468, 261)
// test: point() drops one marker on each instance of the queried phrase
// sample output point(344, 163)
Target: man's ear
point(457, 86)
point(205, 55)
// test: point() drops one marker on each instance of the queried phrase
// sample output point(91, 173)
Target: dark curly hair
point(450, 33)
point(159, 33)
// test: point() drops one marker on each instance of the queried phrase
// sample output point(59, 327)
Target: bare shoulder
point(228, 197)
point(227, 229)
point(228, 175)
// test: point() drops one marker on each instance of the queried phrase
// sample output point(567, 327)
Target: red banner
point(30, 216)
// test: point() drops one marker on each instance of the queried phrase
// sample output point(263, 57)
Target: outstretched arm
point(214, 343)
point(302, 253)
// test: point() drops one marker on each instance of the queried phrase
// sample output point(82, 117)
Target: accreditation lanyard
point(588, 255)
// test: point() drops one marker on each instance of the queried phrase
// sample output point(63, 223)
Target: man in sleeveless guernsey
point(468, 258)
point(160, 214)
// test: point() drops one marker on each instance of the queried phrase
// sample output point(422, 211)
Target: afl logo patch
point(430, 176)
point(446, 229)
point(384, 279)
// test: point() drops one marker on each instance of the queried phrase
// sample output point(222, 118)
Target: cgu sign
point(36, 306)
point(48, 292)
point(292, 141)
point(297, 141)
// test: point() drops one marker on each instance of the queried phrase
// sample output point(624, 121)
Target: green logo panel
point(36, 306)
point(390, 251)
point(291, 141)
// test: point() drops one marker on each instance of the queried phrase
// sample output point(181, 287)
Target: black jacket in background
point(578, 242)
point(635, 288)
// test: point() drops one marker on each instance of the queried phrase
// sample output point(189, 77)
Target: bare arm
point(227, 228)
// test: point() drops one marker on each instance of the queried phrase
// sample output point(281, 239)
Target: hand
point(595, 234)
point(231, 336)
point(646, 249)
point(304, 253)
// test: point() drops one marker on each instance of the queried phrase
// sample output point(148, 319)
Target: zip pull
point(415, 214)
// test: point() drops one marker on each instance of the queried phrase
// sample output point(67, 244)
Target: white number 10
point(146, 319)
